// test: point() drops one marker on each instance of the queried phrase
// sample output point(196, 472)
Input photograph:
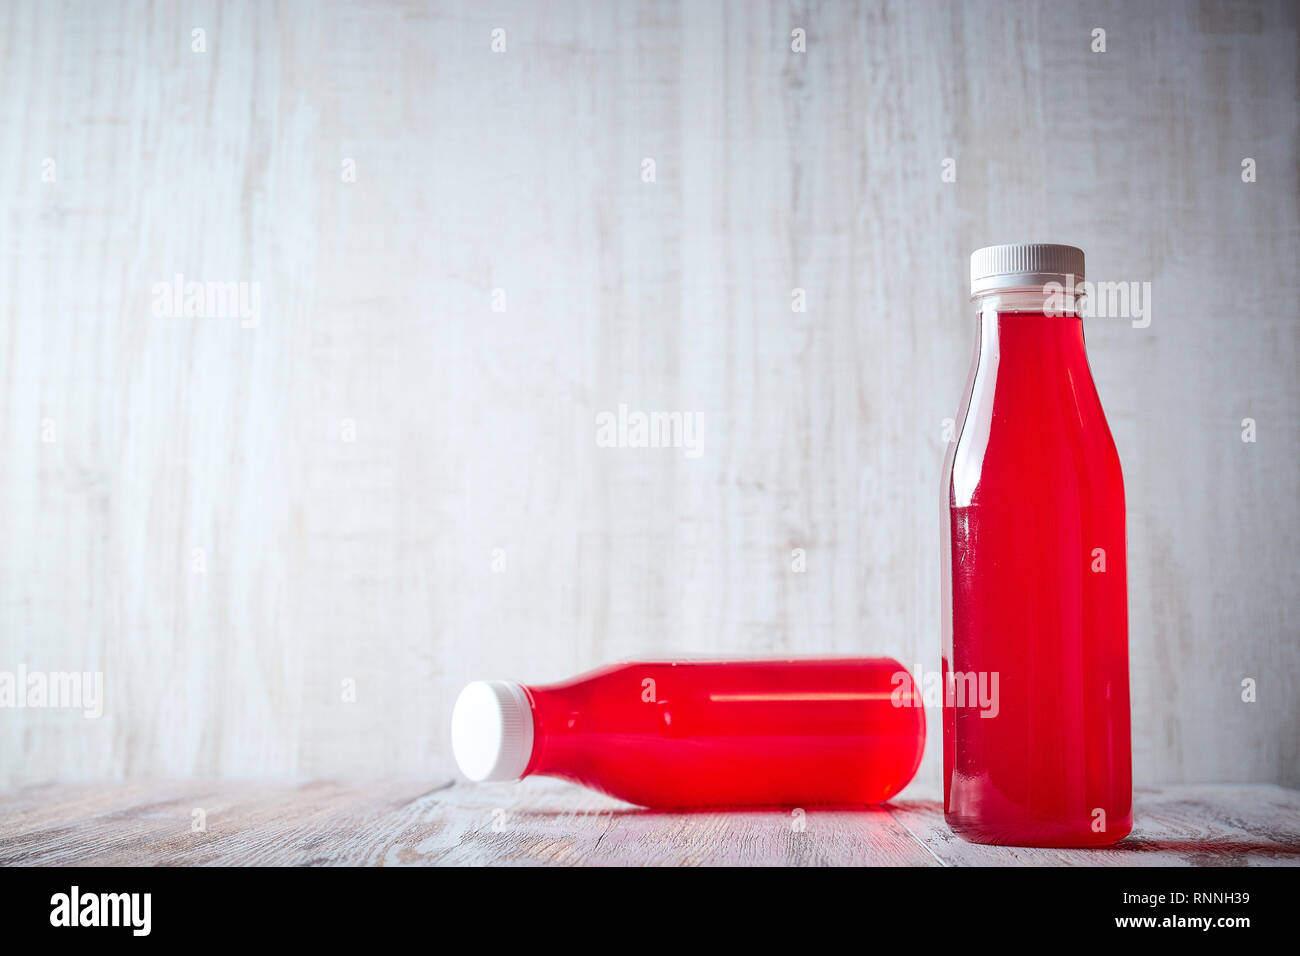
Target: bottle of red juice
point(1035, 597)
point(672, 735)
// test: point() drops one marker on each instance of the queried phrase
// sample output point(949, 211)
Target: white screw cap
point(1023, 265)
point(492, 730)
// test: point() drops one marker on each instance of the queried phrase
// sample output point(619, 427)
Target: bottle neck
point(558, 728)
point(1033, 302)
point(1031, 332)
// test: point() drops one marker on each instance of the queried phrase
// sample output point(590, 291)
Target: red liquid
point(793, 733)
point(1034, 488)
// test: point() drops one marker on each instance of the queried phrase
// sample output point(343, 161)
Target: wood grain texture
point(230, 522)
point(549, 823)
point(1173, 826)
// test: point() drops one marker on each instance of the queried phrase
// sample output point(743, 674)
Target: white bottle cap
point(1026, 266)
point(492, 730)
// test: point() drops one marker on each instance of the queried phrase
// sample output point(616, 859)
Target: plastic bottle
point(788, 733)
point(1036, 614)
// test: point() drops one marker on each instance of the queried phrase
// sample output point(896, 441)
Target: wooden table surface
point(549, 822)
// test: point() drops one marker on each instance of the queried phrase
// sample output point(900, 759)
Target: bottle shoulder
point(1004, 451)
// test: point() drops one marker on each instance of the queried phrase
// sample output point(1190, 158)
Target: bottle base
point(1067, 837)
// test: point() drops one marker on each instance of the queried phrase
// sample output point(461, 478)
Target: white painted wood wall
point(199, 529)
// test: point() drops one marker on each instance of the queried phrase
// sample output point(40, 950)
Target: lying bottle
point(780, 733)
point(1036, 605)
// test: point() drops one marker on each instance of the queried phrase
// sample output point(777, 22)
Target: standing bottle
point(780, 733)
point(1035, 598)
